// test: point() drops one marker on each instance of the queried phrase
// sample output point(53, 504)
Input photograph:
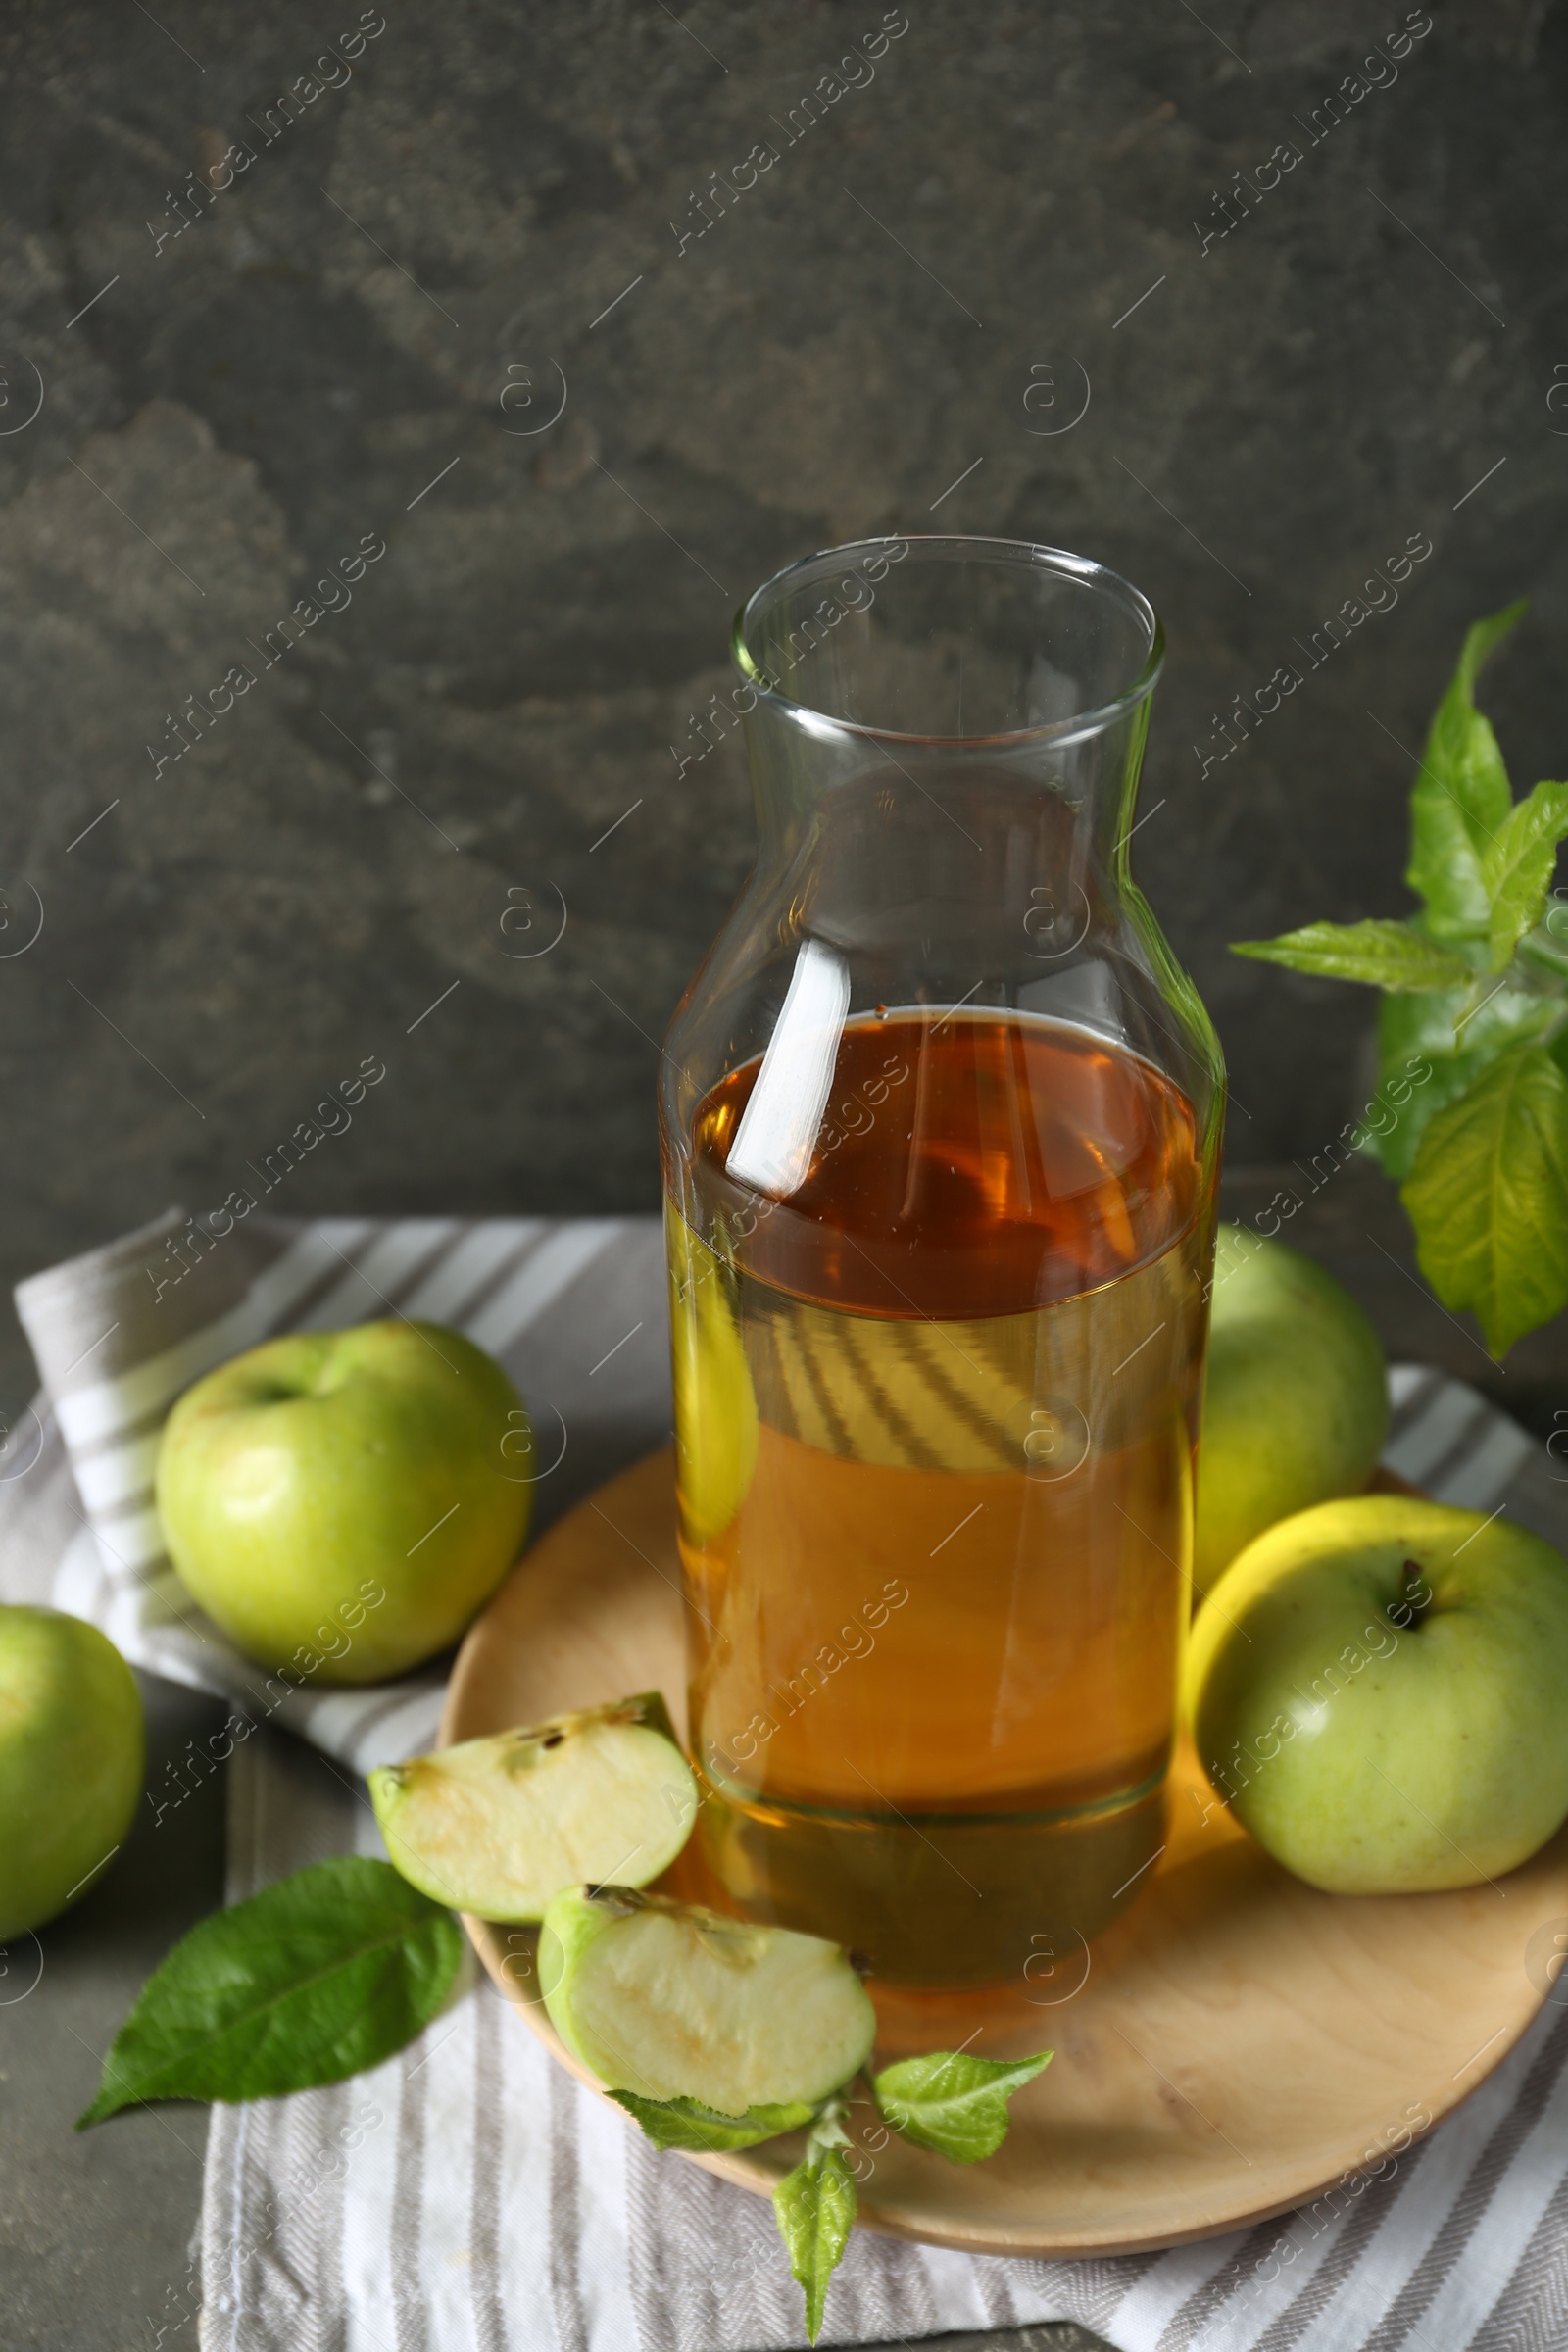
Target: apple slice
point(670, 2001)
point(498, 1826)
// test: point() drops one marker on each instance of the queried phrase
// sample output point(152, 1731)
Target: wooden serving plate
point(1239, 2043)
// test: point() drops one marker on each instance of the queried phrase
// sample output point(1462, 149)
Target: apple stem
point(1411, 1609)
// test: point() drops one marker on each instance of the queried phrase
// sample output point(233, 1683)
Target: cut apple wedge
point(498, 1826)
point(673, 2002)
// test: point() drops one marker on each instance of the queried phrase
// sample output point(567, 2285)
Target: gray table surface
point(96, 2227)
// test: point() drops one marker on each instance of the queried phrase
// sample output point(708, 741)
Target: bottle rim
point(941, 547)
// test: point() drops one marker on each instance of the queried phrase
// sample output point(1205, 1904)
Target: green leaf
point(814, 2209)
point(1489, 1197)
point(951, 2103)
point(1415, 1049)
point(1545, 947)
point(1416, 1034)
point(1384, 954)
point(1519, 865)
point(1461, 797)
point(314, 1979)
point(688, 2124)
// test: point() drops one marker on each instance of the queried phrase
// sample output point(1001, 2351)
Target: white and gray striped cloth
point(467, 2196)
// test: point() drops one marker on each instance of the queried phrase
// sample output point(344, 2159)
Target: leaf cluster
point(331, 1971)
point(1476, 999)
point(952, 2104)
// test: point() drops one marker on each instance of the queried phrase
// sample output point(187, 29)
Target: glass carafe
point(941, 1121)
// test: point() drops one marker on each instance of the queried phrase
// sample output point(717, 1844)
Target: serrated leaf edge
point(823, 2148)
point(1023, 2070)
point(1311, 948)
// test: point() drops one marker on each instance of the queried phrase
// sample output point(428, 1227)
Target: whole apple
point(1377, 1688)
point(1295, 1404)
point(339, 1502)
point(71, 1748)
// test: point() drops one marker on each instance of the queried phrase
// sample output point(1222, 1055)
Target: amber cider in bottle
point(936, 1415)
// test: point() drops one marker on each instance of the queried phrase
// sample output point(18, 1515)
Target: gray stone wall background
point(362, 339)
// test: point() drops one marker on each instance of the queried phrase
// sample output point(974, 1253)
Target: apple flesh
point(498, 1826)
point(672, 2001)
point(72, 1744)
point(1377, 1687)
point(338, 1502)
point(1295, 1404)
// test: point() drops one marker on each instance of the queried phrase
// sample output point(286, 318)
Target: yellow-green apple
point(1296, 1402)
point(72, 1747)
point(1377, 1687)
point(716, 1403)
point(338, 1502)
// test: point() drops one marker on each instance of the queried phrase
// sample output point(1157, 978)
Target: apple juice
point(936, 1412)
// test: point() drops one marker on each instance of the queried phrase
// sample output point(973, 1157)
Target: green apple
point(338, 1502)
point(672, 2001)
point(72, 1747)
point(498, 1826)
point(1377, 1687)
point(1295, 1404)
point(716, 1403)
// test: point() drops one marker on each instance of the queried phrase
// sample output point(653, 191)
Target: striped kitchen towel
point(467, 2196)
point(575, 1309)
